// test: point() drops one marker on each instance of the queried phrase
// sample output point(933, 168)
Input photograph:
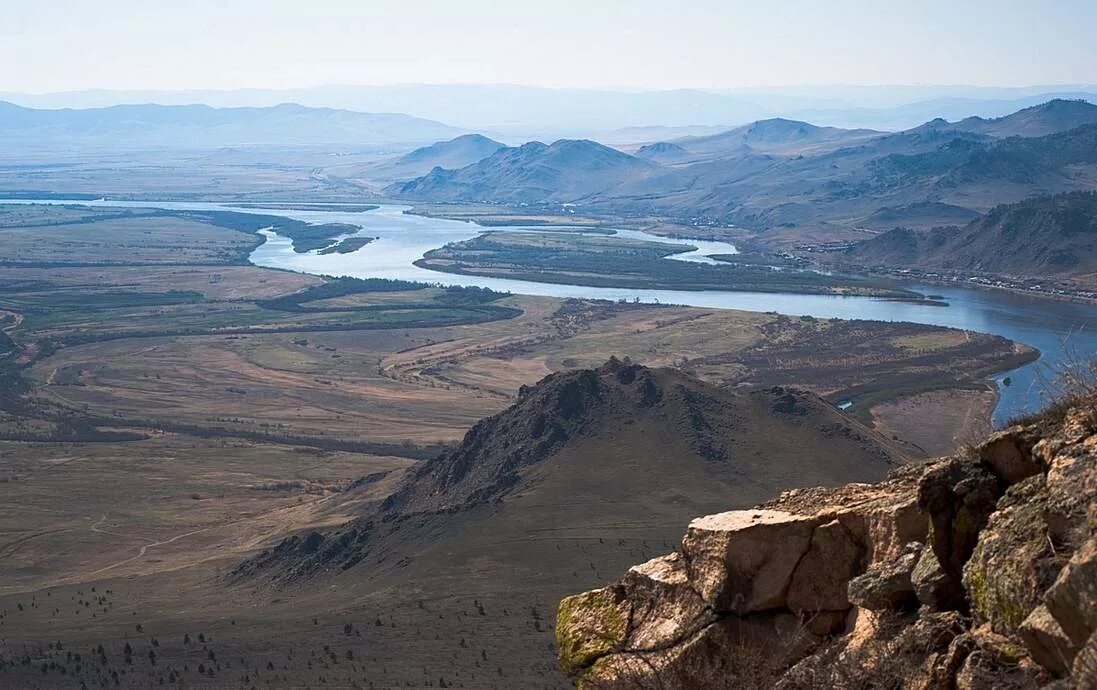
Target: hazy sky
point(51, 45)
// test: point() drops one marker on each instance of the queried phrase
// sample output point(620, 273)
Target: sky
point(60, 45)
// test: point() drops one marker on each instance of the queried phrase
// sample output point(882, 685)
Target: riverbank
point(1058, 329)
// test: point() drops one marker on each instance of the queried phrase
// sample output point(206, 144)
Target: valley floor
point(161, 420)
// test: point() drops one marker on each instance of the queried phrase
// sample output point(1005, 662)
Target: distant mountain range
point(535, 112)
point(778, 136)
point(782, 173)
point(201, 126)
point(1057, 115)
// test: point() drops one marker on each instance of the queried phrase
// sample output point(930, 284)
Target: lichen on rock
point(822, 587)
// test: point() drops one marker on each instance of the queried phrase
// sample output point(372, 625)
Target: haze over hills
point(777, 135)
point(454, 153)
point(850, 175)
point(565, 171)
point(1057, 115)
point(533, 112)
point(201, 126)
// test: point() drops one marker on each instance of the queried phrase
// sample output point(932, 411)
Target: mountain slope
point(786, 174)
point(568, 170)
point(451, 155)
point(1057, 115)
point(1050, 236)
point(663, 152)
point(579, 447)
point(203, 126)
point(776, 136)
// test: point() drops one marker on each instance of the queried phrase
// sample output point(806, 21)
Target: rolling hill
point(451, 154)
point(776, 136)
point(565, 171)
point(787, 174)
point(1059, 115)
point(1049, 236)
point(579, 446)
point(587, 471)
point(200, 126)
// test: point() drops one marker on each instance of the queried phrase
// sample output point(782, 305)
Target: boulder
point(959, 496)
point(823, 574)
point(730, 654)
point(743, 560)
point(665, 607)
point(1008, 453)
point(1084, 670)
point(1072, 489)
point(935, 590)
point(887, 586)
point(882, 518)
point(591, 625)
point(1012, 563)
point(1046, 642)
point(997, 663)
point(1072, 599)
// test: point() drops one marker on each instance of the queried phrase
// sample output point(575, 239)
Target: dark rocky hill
point(621, 451)
point(565, 171)
point(1049, 236)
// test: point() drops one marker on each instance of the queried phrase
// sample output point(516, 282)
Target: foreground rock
point(969, 572)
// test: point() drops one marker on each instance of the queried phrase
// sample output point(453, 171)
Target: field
point(573, 258)
point(160, 420)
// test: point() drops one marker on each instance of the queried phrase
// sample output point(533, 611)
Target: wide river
point(1060, 330)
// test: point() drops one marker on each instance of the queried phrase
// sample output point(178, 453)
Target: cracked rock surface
point(962, 573)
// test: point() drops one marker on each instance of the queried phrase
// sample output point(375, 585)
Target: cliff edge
point(968, 572)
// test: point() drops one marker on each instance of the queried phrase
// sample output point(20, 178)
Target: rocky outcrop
point(601, 441)
point(967, 572)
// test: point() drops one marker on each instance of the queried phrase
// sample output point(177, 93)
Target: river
point(1060, 330)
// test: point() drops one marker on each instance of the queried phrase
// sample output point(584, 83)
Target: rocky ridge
point(548, 457)
point(969, 572)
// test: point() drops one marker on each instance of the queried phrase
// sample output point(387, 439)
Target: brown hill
point(624, 440)
point(535, 173)
point(1049, 236)
point(585, 473)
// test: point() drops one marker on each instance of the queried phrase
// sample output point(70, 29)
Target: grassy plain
point(581, 259)
point(159, 421)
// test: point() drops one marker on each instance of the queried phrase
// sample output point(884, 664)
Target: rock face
point(967, 572)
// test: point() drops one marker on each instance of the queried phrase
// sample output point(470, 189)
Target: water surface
point(1059, 329)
